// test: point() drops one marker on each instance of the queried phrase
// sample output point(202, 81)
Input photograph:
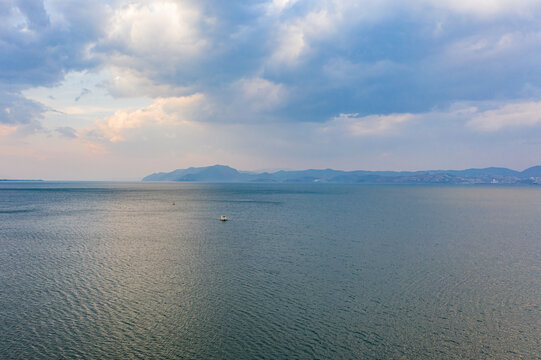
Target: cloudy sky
point(118, 89)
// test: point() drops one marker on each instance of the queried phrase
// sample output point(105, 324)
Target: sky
point(115, 89)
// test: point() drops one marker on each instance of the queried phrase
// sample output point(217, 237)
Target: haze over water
point(114, 270)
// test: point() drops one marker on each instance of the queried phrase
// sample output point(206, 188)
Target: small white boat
point(223, 218)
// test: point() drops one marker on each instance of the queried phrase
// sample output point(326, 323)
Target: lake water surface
point(114, 270)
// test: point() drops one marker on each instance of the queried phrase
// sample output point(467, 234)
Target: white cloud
point(515, 115)
point(355, 125)
point(164, 111)
point(295, 36)
point(510, 115)
point(483, 47)
point(275, 7)
point(158, 29)
point(127, 82)
point(258, 94)
point(291, 44)
point(148, 42)
point(485, 7)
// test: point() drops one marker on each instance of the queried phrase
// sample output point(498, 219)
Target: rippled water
point(97, 270)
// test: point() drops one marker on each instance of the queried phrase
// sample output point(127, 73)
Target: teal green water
point(97, 270)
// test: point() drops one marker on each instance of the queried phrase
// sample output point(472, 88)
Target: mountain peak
point(534, 171)
point(213, 173)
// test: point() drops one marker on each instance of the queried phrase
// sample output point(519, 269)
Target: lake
point(115, 270)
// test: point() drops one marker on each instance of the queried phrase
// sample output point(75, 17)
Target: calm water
point(97, 270)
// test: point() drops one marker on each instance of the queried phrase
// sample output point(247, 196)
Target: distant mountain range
point(226, 174)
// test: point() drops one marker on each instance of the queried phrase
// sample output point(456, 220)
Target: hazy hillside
point(222, 173)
